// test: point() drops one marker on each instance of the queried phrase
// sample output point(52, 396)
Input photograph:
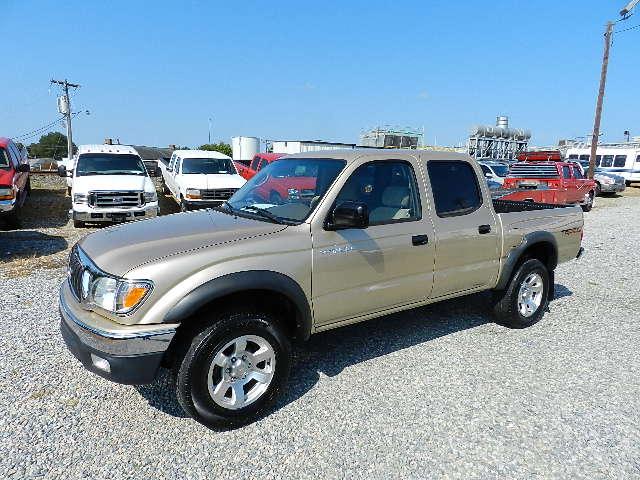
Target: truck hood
point(119, 249)
point(212, 181)
point(90, 183)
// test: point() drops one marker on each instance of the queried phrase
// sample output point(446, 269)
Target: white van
point(621, 159)
point(110, 184)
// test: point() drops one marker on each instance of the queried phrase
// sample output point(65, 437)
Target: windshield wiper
point(263, 213)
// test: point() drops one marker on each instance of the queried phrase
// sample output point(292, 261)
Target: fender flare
point(242, 281)
point(529, 240)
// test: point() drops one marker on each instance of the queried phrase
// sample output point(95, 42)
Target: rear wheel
point(183, 206)
point(165, 189)
point(589, 198)
point(233, 370)
point(526, 297)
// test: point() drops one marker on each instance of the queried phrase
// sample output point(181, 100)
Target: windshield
point(287, 190)
point(207, 166)
point(500, 170)
point(4, 159)
point(109, 164)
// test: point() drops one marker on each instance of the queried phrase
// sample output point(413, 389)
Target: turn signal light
point(133, 297)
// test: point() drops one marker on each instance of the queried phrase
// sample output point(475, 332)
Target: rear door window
point(620, 161)
point(577, 173)
point(455, 188)
point(607, 160)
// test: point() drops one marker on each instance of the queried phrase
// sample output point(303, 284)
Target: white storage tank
point(244, 148)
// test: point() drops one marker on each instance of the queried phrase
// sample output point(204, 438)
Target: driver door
point(357, 272)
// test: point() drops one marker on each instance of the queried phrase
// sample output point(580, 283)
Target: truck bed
point(510, 206)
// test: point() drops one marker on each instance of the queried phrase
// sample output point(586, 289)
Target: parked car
point(15, 185)
point(496, 171)
point(200, 178)
point(110, 184)
point(258, 162)
point(606, 183)
point(552, 182)
point(218, 296)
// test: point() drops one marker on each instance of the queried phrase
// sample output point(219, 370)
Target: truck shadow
point(29, 243)
point(329, 353)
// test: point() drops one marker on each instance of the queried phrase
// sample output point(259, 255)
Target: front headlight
point(7, 193)
point(193, 193)
point(150, 197)
point(608, 180)
point(79, 198)
point(113, 294)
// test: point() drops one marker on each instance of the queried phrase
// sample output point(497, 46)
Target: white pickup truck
point(200, 178)
point(109, 184)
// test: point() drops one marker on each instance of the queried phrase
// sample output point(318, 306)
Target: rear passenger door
point(467, 236)
point(388, 264)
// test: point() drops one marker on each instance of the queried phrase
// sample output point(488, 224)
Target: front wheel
point(526, 297)
point(233, 370)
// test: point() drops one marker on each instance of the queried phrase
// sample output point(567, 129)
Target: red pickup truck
point(14, 180)
point(546, 179)
point(258, 162)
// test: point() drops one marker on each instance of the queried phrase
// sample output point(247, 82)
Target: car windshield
point(207, 166)
point(4, 159)
point(500, 170)
point(109, 164)
point(286, 191)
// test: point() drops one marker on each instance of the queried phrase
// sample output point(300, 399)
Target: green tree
point(51, 145)
point(221, 147)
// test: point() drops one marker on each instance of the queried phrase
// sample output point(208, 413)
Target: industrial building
point(498, 142)
point(389, 137)
point(297, 146)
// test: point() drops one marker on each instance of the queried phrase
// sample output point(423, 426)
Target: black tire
point(505, 307)
point(78, 224)
point(586, 207)
point(191, 372)
point(183, 206)
point(165, 189)
point(68, 191)
point(598, 191)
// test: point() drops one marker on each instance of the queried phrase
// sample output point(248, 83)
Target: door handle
point(482, 229)
point(419, 240)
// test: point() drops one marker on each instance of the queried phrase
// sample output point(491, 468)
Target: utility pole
point(603, 80)
point(67, 111)
point(209, 130)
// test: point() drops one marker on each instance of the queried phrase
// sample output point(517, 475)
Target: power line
point(627, 29)
point(29, 134)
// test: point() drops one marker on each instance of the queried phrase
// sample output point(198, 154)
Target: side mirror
point(348, 215)
point(24, 167)
point(62, 171)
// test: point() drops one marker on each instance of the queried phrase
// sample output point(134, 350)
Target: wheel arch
point(261, 288)
point(540, 245)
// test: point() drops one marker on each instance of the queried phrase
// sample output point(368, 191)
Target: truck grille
point(116, 199)
point(219, 194)
point(75, 273)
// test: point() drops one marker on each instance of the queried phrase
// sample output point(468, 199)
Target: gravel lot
point(437, 391)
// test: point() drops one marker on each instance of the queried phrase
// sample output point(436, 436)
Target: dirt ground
point(46, 233)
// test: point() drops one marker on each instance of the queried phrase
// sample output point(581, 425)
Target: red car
point(259, 161)
point(544, 178)
point(14, 180)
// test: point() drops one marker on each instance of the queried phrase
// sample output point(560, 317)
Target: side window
point(4, 158)
point(254, 163)
point(638, 159)
point(607, 160)
point(178, 164)
point(14, 155)
point(485, 169)
point(388, 188)
point(263, 163)
point(584, 157)
point(455, 187)
point(566, 172)
point(620, 160)
point(573, 157)
point(598, 158)
point(577, 173)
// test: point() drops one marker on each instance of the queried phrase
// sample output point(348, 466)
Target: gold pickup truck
point(219, 295)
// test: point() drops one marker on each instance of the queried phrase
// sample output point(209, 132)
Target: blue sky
point(154, 72)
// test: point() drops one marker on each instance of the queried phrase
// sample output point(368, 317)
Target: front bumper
point(119, 353)
point(7, 206)
point(85, 213)
point(612, 187)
